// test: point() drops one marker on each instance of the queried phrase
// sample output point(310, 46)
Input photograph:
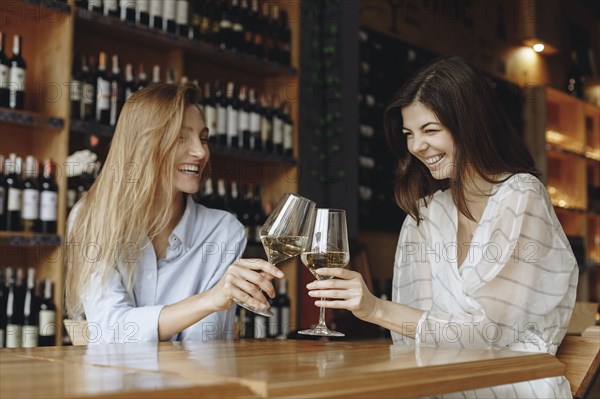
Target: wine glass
point(327, 246)
point(285, 233)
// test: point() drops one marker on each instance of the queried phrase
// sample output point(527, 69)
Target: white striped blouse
point(515, 289)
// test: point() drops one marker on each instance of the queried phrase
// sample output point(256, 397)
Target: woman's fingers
point(260, 265)
point(247, 293)
point(258, 280)
point(337, 272)
point(333, 294)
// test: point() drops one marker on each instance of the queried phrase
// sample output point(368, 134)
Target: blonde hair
point(131, 198)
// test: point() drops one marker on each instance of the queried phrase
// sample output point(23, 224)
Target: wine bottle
point(3, 293)
point(237, 26)
point(221, 108)
point(111, 8)
point(142, 12)
point(128, 11)
point(225, 27)
point(17, 75)
point(14, 191)
point(245, 213)
point(205, 10)
point(29, 334)
point(258, 214)
point(47, 317)
point(282, 304)
point(248, 321)
point(221, 202)
point(88, 91)
point(275, 30)
point(247, 44)
point(102, 91)
point(75, 89)
point(267, 28)
point(168, 13)
point(4, 74)
point(156, 74)
point(129, 84)
point(171, 76)
point(209, 197)
point(260, 326)
point(255, 119)
point(257, 30)
point(266, 124)
point(288, 132)
point(95, 6)
point(30, 196)
point(235, 203)
point(13, 316)
point(210, 112)
point(116, 91)
point(3, 198)
point(277, 126)
point(72, 182)
point(232, 116)
point(285, 39)
point(48, 198)
point(142, 78)
point(182, 18)
point(156, 17)
point(214, 10)
point(243, 124)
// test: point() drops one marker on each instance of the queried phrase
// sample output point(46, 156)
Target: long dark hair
point(464, 102)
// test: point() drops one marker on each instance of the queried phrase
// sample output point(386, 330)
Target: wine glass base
point(262, 312)
point(323, 332)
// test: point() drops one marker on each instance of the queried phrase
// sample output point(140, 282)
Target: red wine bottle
point(14, 193)
point(4, 74)
point(17, 75)
point(48, 198)
point(102, 91)
point(47, 317)
point(29, 333)
point(30, 206)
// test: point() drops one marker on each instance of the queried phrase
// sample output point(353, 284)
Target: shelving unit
point(53, 34)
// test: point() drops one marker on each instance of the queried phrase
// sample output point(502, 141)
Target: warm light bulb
point(538, 47)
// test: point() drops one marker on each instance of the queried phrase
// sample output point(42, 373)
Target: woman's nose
point(419, 144)
point(197, 149)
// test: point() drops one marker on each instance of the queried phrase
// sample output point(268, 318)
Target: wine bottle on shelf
point(277, 126)
point(209, 197)
point(288, 132)
point(116, 91)
point(14, 193)
point(111, 8)
point(182, 18)
point(210, 112)
point(3, 293)
point(258, 215)
point(142, 78)
point(275, 29)
point(237, 26)
point(246, 213)
point(285, 39)
point(156, 16)
point(129, 84)
point(75, 89)
point(243, 124)
point(248, 321)
point(261, 329)
point(232, 116)
point(17, 75)
point(221, 108)
point(168, 13)
point(88, 91)
point(71, 192)
point(4, 74)
point(48, 198)
point(247, 43)
point(222, 202)
point(142, 12)
point(282, 304)
point(102, 91)
point(13, 316)
point(3, 198)
point(31, 196)
point(205, 10)
point(95, 6)
point(171, 76)
point(29, 334)
point(156, 74)
point(235, 205)
point(266, 124)
point(128, 12)
point(267, 27)
point(47, 317)
point(255, 142)
point(257, 30)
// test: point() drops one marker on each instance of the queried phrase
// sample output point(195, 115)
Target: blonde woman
point(149, 263)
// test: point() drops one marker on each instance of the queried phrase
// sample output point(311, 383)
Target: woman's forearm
point(177, 317)
point(395, 317)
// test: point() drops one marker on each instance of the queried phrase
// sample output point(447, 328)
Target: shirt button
point(149, 276)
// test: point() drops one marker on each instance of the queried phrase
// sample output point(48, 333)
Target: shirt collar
point(184, 230)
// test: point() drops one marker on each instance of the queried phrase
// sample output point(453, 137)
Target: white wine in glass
point(326, 247)
point(285, 232)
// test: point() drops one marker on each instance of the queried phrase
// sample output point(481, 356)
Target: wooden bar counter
point(260, 369)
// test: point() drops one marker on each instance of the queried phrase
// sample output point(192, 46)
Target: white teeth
point(189, 168)
point(432, 160)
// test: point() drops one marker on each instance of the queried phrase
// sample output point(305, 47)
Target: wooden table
point(261, 368)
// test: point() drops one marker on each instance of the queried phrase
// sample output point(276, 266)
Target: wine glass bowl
point(326, 247)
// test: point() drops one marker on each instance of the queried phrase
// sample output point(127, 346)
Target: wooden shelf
point(26, 239)
point(91, 127)
point(53, 5)
point(151, 38)
point(32, 119)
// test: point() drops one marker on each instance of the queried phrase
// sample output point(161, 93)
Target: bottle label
point(141, 5)
point(103, 95)
point(71, 198)
point(47, 323)
point(31, 204)
point(277, 131)
point(169, 9)
point(288, 136)
point(285, 321)
point(29, 336)
point(260, 327)
point(221, 120)
point(13, 336)
point(265, 129)
point(17, 79)
point(95, 3)
point(232, 120)
point(243, 121)
point(274, 324)
point(87, 93)
point(210, 114)
point(75, 90)
point(14, 199)
point(225, 24)
point(254, 122)
point(48, 206)
point(156, 8)
point(182, 12)
point(2, 201)
point(3, 76)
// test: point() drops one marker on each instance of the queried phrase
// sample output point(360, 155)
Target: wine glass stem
point(322, 317)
